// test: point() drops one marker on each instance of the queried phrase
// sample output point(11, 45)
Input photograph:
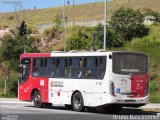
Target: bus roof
point(35, 55)
point(72, 53)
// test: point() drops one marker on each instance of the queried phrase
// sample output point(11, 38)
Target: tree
point(78, 41)
point(129, 22)
point(13, 46)
point(83, 38)
point(114, 38)
point(10, 51)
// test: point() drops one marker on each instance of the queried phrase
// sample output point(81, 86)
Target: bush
point(10, 18)
point(46, 32)
point(83, 36)
point(51, 33)
point(129, 22)
point(58, 21)
point(5, 26)
point(78, 41)
point(114, 38)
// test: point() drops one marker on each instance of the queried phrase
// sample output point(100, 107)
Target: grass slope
point(91, 11)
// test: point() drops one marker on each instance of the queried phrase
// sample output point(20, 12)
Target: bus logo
point(123, 81)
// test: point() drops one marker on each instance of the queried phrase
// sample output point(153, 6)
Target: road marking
point(18, 102)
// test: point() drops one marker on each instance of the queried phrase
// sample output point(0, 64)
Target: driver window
point(24, 70)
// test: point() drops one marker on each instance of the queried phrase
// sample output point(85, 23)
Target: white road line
point(18, 102)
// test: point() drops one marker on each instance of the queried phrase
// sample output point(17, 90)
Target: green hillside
point(92, 11)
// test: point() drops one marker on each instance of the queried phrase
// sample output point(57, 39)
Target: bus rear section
point(129, 82)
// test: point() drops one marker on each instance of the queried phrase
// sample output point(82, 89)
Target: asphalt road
point(16, 110)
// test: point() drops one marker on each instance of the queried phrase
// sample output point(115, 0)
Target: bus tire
point(77, 102)
point(37, 99)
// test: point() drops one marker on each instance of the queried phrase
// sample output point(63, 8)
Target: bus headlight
point(112, 88)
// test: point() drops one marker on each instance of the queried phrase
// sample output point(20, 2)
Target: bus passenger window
point(35, 72)
point(88, 73)
point(80, 68)
point(60, 70)
point(102, 67)
point(51, 67)
point(37, 68)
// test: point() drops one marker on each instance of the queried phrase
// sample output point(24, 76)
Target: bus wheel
point(77, 102)
point(37, 100)
point(112, 109)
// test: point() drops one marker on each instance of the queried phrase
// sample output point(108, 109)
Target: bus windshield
point(126, 63)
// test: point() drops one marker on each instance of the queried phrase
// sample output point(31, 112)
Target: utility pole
point(105, 25)
point(64, 38)
point(65, 33)
point(73, 14)
point(65, 25)
point(63, 12)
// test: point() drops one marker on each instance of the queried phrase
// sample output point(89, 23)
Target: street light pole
point(105, 25)
point(64, 38)
point(63, 10)
point(65, 33)
point(73, 14)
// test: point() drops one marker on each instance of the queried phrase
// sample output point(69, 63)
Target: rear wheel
point(77, 102)
point(37, 99)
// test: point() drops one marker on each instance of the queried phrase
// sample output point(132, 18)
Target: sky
point(11, 5)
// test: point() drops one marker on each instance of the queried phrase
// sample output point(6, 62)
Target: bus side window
point(70, 68)
point(56, 64)
point(74, 70)
point(37, 67)
point(102, 67)
point(80, 68)
point(67, 65)
point(94, 67)
point(91, 68)
point(86, 69)
point(51, 65)
point(61, 68)
point(35, 71)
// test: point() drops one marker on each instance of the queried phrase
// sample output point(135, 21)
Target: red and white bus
point(85, 79)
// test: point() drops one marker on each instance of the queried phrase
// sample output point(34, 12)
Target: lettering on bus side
point(57, 84)
point(98, 83)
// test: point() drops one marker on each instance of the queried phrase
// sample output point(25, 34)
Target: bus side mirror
point(20, 68)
